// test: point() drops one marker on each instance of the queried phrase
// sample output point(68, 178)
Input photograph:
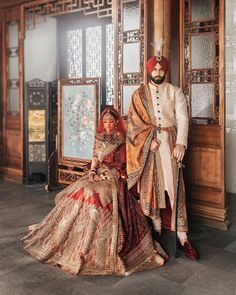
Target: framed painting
point(79, 107)
point(36, 125)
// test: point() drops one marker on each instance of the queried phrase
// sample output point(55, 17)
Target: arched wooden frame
point(123, 80)
point(34, 11)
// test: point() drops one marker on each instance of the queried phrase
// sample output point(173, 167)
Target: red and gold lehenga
point(97, 227)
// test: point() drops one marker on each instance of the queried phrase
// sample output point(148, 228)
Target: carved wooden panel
point(52, 136)
point(131, 45)
point(36, 12)
point(12, 14)
point(12, 142)
point(204, 167)
point(13, 149)
point(214, 215)
point(205, 136)
point(10, 3)
point(37, 105)
point(12, 122)
point(68, 176)
point(203, 60)
point(202, 196)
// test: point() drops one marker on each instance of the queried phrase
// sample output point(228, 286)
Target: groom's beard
point(158, 79)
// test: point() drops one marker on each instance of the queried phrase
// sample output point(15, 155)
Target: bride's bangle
point(92, 171)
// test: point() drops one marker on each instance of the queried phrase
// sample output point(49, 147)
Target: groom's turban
point(151, 63)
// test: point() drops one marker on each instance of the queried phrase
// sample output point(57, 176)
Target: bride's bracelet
point(92, 171)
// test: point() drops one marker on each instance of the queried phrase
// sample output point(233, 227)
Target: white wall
point(230, 46)
point(41, 51)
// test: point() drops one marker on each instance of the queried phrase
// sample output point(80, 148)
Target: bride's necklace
point(108, 138)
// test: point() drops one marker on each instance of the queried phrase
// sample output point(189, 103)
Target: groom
point(156, 142)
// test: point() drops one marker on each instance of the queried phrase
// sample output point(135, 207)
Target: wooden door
point(12, 102)
point(202, 77)
point(130, 50)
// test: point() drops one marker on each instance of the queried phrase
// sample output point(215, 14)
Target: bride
point(97, 227)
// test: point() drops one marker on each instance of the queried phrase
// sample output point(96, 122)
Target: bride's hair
point(114, 113)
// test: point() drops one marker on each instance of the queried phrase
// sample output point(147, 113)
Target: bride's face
point(109, 123)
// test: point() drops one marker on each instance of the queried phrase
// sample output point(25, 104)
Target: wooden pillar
point(1, 101)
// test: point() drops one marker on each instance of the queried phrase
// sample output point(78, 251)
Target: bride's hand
point(97, 178)
point(92, 175)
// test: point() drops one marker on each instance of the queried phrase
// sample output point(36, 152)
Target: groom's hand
point(154, 145)
point(178, 152)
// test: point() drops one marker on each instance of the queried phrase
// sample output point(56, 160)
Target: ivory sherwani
point(159, 114)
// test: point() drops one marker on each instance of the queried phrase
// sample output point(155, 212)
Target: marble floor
point(21, 205)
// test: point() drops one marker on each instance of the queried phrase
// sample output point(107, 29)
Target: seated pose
point(97, 227)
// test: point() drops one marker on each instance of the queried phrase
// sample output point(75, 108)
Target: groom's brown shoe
point(188, 250)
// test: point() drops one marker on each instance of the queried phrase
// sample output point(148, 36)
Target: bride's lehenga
point(96, 227)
